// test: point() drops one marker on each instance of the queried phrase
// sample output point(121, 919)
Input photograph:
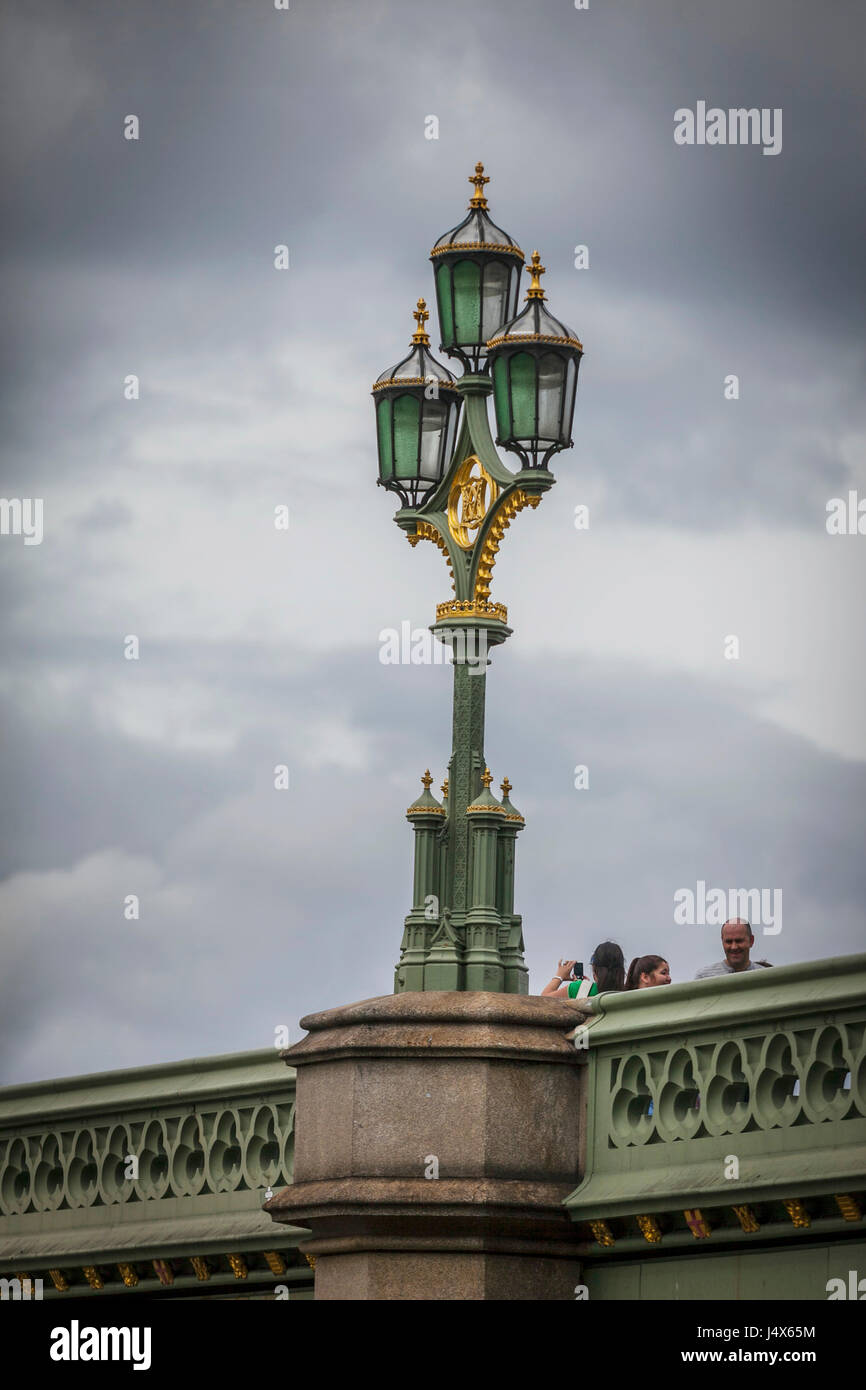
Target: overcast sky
point(258, 647)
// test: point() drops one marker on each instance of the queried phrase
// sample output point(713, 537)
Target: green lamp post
point(462, 932)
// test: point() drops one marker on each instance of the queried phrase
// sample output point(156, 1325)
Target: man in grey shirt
point(737, 942)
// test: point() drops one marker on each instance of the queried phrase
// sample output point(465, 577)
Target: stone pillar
point(437, 1136)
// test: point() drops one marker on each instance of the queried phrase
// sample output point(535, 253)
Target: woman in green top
point(608, 973)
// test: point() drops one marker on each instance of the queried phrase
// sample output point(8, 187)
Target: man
point(737, 942)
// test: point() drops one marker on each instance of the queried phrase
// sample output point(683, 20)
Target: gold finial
point(505, 787)
point(486, 778)
point(427, 780)
point(479, 178)
point(445, 787)
point(535, 269)
point(421, 315)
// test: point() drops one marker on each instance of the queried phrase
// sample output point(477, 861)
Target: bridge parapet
point(150, 1177)
point(726, 1108)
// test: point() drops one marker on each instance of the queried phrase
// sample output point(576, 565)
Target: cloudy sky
point(155, 257)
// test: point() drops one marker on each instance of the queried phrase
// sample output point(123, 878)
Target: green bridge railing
point(207, 1138)
point(726, 1111)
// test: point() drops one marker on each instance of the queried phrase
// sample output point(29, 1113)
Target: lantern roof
point(485, 801)
point(420, 366)
point(477, 231)
point(535, 323)
point(511, 811)
point(426, 802)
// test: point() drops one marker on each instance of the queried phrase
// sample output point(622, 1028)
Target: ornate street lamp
point(462, 932)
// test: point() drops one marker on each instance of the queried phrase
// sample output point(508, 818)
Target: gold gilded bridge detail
point(424, 531)
point(472, 495)
point(514, 502)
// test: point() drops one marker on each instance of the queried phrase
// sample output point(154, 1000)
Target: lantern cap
point(536, 270)
point(535, 322)
point(426, 802)
point(511, 811)
point(420, 366)
point(477, 231)
point(485, 801)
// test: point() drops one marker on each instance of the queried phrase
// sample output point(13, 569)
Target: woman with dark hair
point(646, 971)
point(608, 973)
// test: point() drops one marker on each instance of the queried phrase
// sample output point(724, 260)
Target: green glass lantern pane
point(513, 291)
point(551, 387)
point(432, 431)
point(523, 396)
point(467, 302)
point(570, 390)
point(443, 297)
point(500, 398)
point(406, 410)
point(386, 440)
point(495, 298)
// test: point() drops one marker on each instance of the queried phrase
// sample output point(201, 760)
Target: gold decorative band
point(415, 381)
point(471, 608)
point(533, 338)
point(477, 246)
point(426, 811)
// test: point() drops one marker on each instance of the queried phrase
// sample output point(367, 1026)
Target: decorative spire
point(421, 315)
point(536, 269)
point(486, 778)
point(445, 788)
point(479, 178)
point(426, 804)
point(511, 812)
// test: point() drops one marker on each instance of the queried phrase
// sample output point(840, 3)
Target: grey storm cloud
point(259, 905)
point(155, 258)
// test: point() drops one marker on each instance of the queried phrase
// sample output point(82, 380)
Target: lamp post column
point(446, 961)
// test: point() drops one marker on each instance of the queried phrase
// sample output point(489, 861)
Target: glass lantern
point(477, 272)
point(534, 363)
point(417, 410)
